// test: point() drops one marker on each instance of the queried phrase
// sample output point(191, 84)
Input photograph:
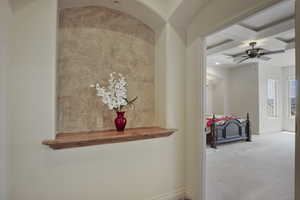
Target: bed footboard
point(232, 130)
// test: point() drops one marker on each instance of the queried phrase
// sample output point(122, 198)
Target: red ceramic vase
point(120, 121)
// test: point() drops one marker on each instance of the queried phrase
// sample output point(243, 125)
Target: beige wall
point(194, 105)
point(152, 169)
point(32, 120)
point(219, 90)
point(219, 96)
point(5, 22)
point(208, 99)
point(243, 92)
point(94, 42)
point(31, 95)
point(216, 94)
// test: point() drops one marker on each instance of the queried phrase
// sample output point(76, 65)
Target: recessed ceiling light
point(217, 63)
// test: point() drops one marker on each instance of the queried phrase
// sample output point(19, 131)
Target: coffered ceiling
point(272, 29)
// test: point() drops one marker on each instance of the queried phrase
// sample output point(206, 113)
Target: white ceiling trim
point(137, 9)
point(223, 47)
point(240, 34)
point(276, 29)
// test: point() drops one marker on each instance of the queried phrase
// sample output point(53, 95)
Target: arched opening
point(196, 63)
point(137, 9)
point(94, 42)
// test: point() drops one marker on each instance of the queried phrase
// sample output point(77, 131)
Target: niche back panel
point(92, 43)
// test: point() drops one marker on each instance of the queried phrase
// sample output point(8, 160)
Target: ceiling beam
point(276, 29)
point(240, 34)
point(223, 47)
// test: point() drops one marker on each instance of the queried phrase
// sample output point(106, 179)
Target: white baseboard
point(176, 194)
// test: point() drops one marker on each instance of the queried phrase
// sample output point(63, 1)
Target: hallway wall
point(140, 170)
point(33, 128)
point(5, 22)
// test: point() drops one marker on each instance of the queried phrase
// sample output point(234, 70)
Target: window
point(272, 98)
point(292, 97)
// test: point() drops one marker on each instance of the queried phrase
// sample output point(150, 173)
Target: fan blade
point(237, 59)
point(239, 54)
point(235, 55)
point(265, 58)
point(228, 55)
point(272, 52)
point(243, 60)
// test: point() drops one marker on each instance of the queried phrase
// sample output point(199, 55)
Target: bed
point(225, 129)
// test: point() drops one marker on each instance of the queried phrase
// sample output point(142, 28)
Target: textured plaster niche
point(93, 42)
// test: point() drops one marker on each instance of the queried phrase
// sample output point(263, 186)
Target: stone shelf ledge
point(73, 140)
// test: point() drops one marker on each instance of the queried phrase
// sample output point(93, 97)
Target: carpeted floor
point(259, 170)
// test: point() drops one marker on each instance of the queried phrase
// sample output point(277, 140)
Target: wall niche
point(93, 42)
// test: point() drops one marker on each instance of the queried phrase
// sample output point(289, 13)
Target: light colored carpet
point(258, 170)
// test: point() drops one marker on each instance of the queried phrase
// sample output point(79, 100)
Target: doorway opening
point(250, 107)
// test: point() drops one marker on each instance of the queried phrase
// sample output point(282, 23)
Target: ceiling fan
point(254, 52)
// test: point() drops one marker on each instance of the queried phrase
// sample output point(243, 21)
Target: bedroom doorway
point(250, 107)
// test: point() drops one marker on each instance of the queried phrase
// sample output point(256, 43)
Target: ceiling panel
point(287, 36)
point(276, 13)
point(236, 38)
point(237, 50)
point(217, 38)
